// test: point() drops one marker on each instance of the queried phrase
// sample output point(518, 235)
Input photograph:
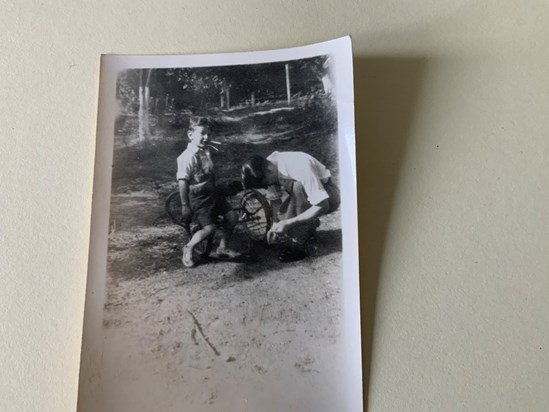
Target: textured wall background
point(451, 107)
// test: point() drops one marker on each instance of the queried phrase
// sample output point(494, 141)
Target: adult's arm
point(316, 195)
point(307, 216)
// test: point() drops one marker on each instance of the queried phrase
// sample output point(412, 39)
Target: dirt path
point(224, 336)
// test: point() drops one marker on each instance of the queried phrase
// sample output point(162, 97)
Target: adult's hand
point(277, 229)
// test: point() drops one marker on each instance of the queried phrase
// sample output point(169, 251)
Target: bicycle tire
point(173, 209)
point(256, 215)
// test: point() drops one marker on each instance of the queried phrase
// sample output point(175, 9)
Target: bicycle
point(253, 210)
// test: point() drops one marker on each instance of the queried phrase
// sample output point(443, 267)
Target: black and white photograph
point(224, 250)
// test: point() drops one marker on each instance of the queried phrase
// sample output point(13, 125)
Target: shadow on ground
point(263, 259)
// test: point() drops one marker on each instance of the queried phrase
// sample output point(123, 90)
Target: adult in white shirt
point(307, 189)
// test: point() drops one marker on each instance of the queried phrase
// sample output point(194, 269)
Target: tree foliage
point(197, 89)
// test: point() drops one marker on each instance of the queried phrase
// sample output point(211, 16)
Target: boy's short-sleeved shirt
point(304, 169)
point(195, 165)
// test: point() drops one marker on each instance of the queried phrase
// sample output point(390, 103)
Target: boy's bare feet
point(187, 259)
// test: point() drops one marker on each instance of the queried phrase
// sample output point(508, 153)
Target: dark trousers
point(297, 203)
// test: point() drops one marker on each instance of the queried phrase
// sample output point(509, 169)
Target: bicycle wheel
point(256, 215)
point(173, 209)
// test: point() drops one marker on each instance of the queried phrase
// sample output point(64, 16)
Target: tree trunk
point(228, 98)
point(253, 99)
point(143, 114)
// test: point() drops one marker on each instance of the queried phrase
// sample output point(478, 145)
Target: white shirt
point(304, 169)
point(194, 165)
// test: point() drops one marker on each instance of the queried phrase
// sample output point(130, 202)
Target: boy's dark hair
point(253, 172)
point(197, 121)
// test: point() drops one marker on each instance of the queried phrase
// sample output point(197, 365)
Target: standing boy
point(200, 198)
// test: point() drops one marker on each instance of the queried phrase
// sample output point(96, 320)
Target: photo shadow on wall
point(386, 92)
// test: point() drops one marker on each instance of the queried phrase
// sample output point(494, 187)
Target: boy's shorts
point(207, 205)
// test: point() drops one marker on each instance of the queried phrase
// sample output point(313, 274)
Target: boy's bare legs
point(231, 219)
point(198, 237)
point(201, 235)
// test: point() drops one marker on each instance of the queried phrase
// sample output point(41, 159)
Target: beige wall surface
point(453, 150)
